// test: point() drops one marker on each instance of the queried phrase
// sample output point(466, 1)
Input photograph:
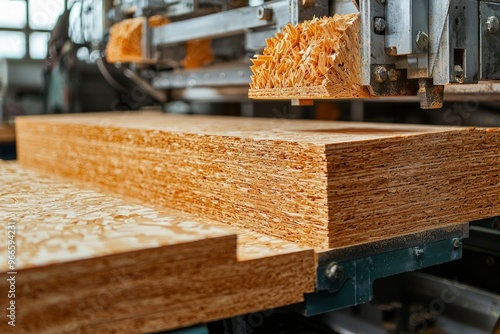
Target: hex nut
point(264, 13)
point(492, 24)
point(391, 51)
point(422, 40)
point(379, 24)
point(380, 74)
point(394, 74)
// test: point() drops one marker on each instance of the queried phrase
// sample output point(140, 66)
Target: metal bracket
point(201, 329)
point(349, 280)
point(438, 21)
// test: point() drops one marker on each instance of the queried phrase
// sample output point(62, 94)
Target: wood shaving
point(319, 58)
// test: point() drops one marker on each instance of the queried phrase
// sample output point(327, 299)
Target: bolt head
point(381, 74)
point(391, 51)
point(492, 24)
point(418, 251)
point(422, 40)
point(379, 24)
point(459, 73)
point(264, 13)
point(393, 74)
point(334, 272)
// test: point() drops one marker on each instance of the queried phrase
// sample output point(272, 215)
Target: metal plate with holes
point(464, 23)
point(489, 32)
point(372, 44)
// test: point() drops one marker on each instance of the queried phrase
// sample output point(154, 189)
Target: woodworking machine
point(408, 47)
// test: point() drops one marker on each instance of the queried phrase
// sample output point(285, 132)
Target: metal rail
point(223, 24)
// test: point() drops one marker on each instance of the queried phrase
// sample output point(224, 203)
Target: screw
point(391, 51)
point(422, 40)
point(418, 251)
point(334, 272)
point(394, 74)
point(264, 13)
point(379, 24)
point(456, 243)
point(380, 74)
point(459, 73)
point(492, 24)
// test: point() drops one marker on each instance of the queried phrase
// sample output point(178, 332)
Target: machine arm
point(408, 47)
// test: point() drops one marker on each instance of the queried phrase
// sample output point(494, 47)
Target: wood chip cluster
point(125, 39)
point(198, 53)
point(319, 58)
point(125, 44)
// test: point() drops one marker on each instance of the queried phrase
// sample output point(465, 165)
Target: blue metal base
point(350, 282)
point(201, 329)
point(345, 276)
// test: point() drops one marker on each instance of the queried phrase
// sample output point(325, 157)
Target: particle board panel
point(90, 263)
point(318, 183)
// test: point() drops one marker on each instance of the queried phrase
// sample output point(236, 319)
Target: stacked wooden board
point(90, 263)
point(320, 184)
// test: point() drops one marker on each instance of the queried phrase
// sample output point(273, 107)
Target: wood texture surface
point(317, 59)
point(125, 39)
point(125, 44)
point(90, 263)
point(7, 133)
point(319, 183)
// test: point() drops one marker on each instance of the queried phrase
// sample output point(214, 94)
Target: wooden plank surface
point(7, 133)
point(319, 183)
point(317, 59)
point(91, 263)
